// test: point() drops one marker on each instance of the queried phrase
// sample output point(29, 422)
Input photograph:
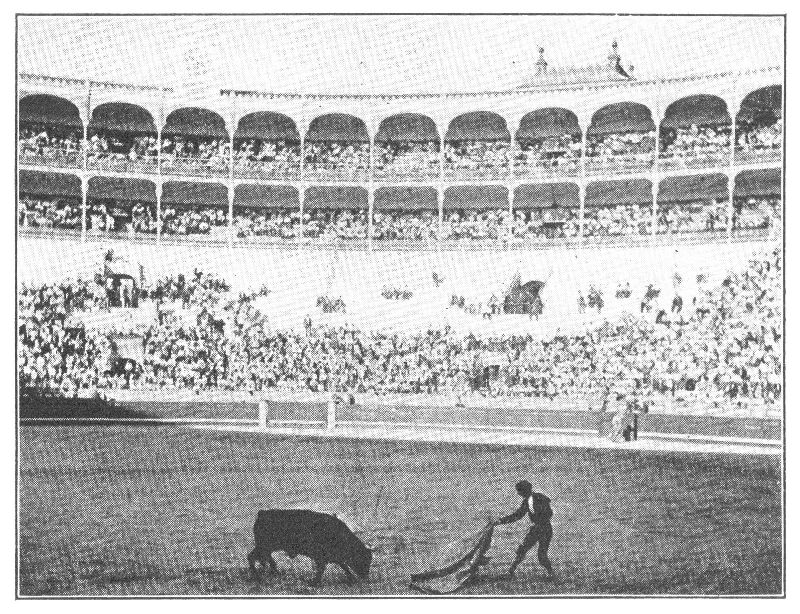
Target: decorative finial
point(541, 63)
point(613, 57)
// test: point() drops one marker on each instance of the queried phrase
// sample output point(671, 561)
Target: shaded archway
point(267, 146)
point(759, 182)
point(764, 101)
point(621, 117)
point(407, 127)
point(194, 142)
point(50, 132)
point(757, 204)
point(336, 213)
point(695, 133)
point(260, 196)
point(337, 148)
point(407, 144)
point(194, 208)
point(478, 126)
point(620, 139)
point(116, 204)
point(266, 211)
point(406, 199)
point(547, 123)
point(477, 145)
point(122, 137)
point(195, 121)
point(694, 203)
point(548, 141)
point(49, 110)
point(49, 200)
point(618, 208)
point(267, 126)
point(546, 211)
point(759, 126)
point(337, 128)
point(122, 117)
point(39, 183)
point(405, 214)
point(475, 213)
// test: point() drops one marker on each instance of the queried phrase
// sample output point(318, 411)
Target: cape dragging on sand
point(456, 575)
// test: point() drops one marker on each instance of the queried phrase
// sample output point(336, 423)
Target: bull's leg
point(320, 565)
point(273, 566)
point(351, 577)
point(254, 556)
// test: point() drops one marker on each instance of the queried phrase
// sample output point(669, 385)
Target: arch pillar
point(230, 213)
point(84, 204)
point(370, 209)
point(440, 202)
point(159, 194)
point(302, 129)
point(731, 174)
point(584, 121)
point(301, 197)
point(85, 147)
point(581, 209)
point(510, 225)
point(734, 106)
point(654, 184)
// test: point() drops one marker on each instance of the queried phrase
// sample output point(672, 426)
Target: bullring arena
point(388, 307)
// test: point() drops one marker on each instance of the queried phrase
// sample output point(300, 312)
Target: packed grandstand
point(674, 160)
point(721, 345)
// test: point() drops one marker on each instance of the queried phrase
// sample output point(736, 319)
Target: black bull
point(321, 537)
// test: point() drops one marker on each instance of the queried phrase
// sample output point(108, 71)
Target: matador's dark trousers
point(538, 534)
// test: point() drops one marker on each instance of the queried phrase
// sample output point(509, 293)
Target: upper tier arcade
point(572, 131)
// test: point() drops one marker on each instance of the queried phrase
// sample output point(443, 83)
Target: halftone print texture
point(385, 268)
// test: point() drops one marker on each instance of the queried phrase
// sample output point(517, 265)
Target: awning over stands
point(764, 101)
point(188, 193)
point(122, 117)
point(761, 182)
point(478, 126)
point(693, 188)
point(194, 121)
point(620, 192)
point(322, 197)
point(121, 189)
point(267, 126)
point(37, 183)
point(407, 127)
point(476, 197)
point(411, 199)
point(266, 196)
point(542, 196)
point(47, 109)
point(700, 110)
point(337, 127)
point(622, 117)
point(545, 123)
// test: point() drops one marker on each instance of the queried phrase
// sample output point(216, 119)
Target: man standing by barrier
point(537, 506)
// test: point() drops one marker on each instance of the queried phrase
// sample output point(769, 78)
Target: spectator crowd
point(622, 151)
point(333, 158)
point(723, 345)
point(686, 147)
point(268, 159)
point(477, 158)
point(35, 212)
point(50, 145)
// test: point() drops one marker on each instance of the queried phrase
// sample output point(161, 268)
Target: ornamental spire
point(615, 63)
point(541, 63)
